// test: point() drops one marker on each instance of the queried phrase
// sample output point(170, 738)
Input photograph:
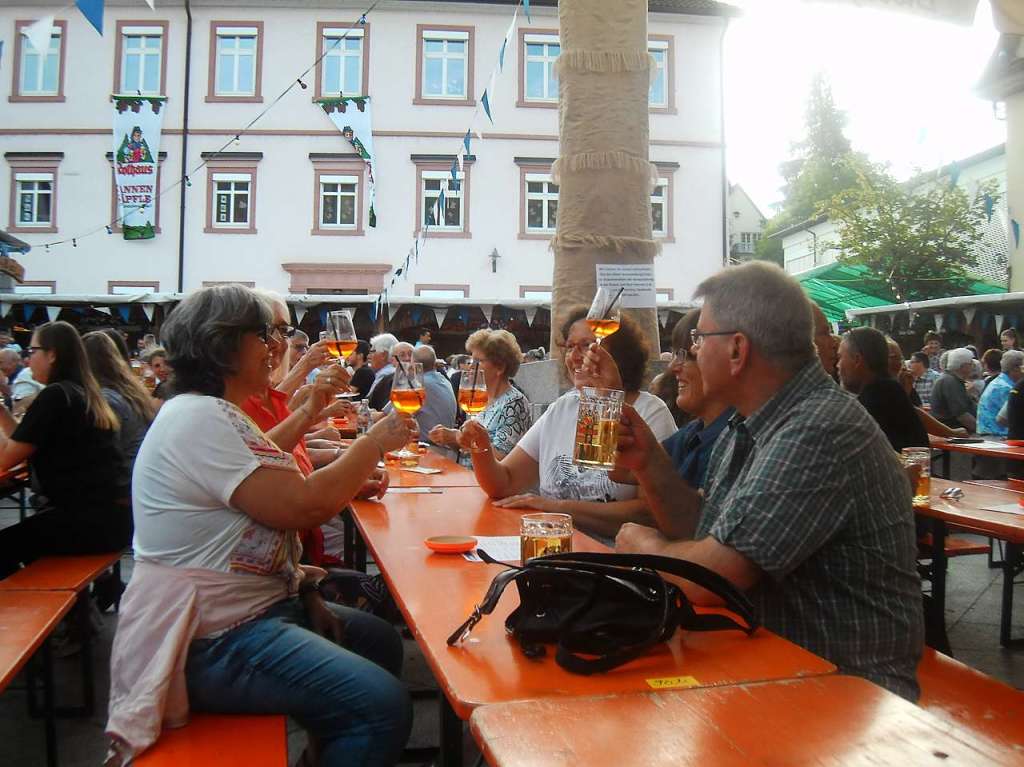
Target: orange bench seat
point(221, 740)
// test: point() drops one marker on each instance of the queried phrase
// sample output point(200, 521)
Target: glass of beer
point(604, 316)
point(921, 457)
point(407, 396)
point(473, 391)
point(543, 534)
point(597, 428)
point(340, 335)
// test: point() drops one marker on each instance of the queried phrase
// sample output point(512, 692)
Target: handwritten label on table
point(672, 682)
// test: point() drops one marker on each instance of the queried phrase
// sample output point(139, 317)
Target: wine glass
point(473, 391)
point(605, 312)
point(407, 396)
point(340, 335)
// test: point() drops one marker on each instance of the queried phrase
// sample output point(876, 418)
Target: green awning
point(837, 287)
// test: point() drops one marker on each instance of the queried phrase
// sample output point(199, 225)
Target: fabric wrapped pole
point(604, 174)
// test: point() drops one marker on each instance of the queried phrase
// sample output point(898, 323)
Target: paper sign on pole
point(636, 279)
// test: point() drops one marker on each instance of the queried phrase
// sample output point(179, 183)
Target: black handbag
point(611, 606)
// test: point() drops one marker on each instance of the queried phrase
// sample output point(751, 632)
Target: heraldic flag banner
point(137, 123)
point(353, 117)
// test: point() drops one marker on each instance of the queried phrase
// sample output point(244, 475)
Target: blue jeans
point(349, 698)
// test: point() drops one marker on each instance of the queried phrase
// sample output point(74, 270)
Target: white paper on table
point(504, 548)
point(414, 490)
point(987, 445)
point(422, 470)
point(1006, 508)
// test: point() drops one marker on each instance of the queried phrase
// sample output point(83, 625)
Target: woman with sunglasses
point(69, 436)
point(218, 613)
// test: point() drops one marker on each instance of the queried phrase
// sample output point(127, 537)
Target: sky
point(904, 83)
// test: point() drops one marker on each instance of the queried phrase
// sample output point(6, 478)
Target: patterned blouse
point(506, 419)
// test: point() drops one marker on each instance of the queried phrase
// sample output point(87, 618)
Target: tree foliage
point(919, 242)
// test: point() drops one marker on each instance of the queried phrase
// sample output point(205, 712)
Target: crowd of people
point(768, 451)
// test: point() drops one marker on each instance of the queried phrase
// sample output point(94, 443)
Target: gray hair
point(401, 346)
point(425, 355)
point(9, 354)
point(385, 342)
point(204, 333)
point(1011, 360)
point(766, 305)
point(301, 334)
point(154, 351)
point(957, 358)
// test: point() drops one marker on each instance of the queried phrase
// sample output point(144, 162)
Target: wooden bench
point(70, 573)
point(27, 620)
point(221, 740)
point(958, 693)
point(955, 547)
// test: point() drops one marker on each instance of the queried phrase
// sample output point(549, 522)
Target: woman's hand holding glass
point(474, 437)
point(393, 430)
point(599, 369)
point(443, 436)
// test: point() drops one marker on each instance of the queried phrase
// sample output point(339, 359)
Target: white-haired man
point(805, 506)
point(381, 348)
point(950, 401)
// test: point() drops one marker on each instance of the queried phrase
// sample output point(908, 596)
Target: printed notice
point(636, 280)
point(672, 683)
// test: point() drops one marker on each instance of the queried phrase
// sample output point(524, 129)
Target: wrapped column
point(605, 178)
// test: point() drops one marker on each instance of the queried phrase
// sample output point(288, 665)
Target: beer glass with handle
point(407, 396)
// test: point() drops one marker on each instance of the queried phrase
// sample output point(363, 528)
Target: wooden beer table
point(437, 592)
point(828, 720)
point(1009, 452)
point(968, 513)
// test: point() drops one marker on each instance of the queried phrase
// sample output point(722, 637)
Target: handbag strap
point(490, 600)
point(735, 600)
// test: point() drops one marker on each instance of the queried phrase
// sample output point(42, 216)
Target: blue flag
point(465, 142)
point(526, 7)
point(93, 12)
point(487, 107)
point(455, 175)
point(125, 310)
point(1015, 224)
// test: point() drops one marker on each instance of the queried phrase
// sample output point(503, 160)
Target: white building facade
point(746, 224)
point(286, 206)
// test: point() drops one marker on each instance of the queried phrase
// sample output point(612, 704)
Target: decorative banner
point(137, 126)
point(393, 310)
point(125, 310)
point(1015, 226)
point(892, 320)
point(439, 315)
point(38, 34)
point(999, 323)
point(5, 309)
point(27, 310)
point(53, 312)
point(488, 311)
point(356, 125)
point(487, 107)
point(93, 12)
point(939, 320)
point(150, 310)
point(969, 314)
point(871, 321)
point(663, 317)
point(531, 312)
point(504, 44)
point(300, 312)
point(102, 310)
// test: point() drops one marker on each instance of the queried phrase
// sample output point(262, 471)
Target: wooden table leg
point(451, 736)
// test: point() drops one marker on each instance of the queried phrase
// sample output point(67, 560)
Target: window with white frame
point(34, 199)
point(141, 57)
point(231, 200)
point(339, 202)
point(445, 63)
point(663, 296)
point(236, 61)
point(539, 74)
point(537, 295)
point(541, 203)
point(132, 290)
point(35, 290)
point(441, 293)
point(343, 61)
point(40, 71)
point(658, 94)
point(659, 208)
point(750, 238)
point(450, 216)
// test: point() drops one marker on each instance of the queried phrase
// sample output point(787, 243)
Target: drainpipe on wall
point(184, 147)
point(725, 173)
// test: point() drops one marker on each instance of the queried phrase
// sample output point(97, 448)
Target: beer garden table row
point(970, 513)
point(436, 593)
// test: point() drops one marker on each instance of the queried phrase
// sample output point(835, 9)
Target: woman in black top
point(69, 438)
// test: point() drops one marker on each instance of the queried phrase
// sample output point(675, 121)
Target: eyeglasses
point(34, 349)
point(681, 356)
point(279, 332)
point(697, 336)
point(581, 348)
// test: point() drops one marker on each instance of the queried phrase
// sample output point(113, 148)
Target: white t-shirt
point(197, 452)
point(551, 440)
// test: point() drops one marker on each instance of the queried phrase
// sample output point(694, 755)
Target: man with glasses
point(299, 345)
point(806, 506)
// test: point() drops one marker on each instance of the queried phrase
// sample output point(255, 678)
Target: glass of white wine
point(340, 335)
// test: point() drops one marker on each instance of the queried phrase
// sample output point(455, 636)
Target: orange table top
point(967, 512)
point(71, 573)
point(437, 592)
point(452, 474)
point(1012, 453)
point(831, 720)
point(26, 619)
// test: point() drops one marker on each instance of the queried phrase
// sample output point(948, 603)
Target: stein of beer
point(922, 458)
point(597, 428)
point(543, 534)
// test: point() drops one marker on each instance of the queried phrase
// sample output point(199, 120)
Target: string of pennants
point(122, 310)
point(955, 320)
point(463, 154)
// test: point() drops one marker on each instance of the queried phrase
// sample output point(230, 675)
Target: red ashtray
point(451, 544)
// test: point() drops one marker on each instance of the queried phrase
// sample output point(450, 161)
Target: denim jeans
point(349, 698)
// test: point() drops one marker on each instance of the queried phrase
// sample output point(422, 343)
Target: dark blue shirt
point(690, 447)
